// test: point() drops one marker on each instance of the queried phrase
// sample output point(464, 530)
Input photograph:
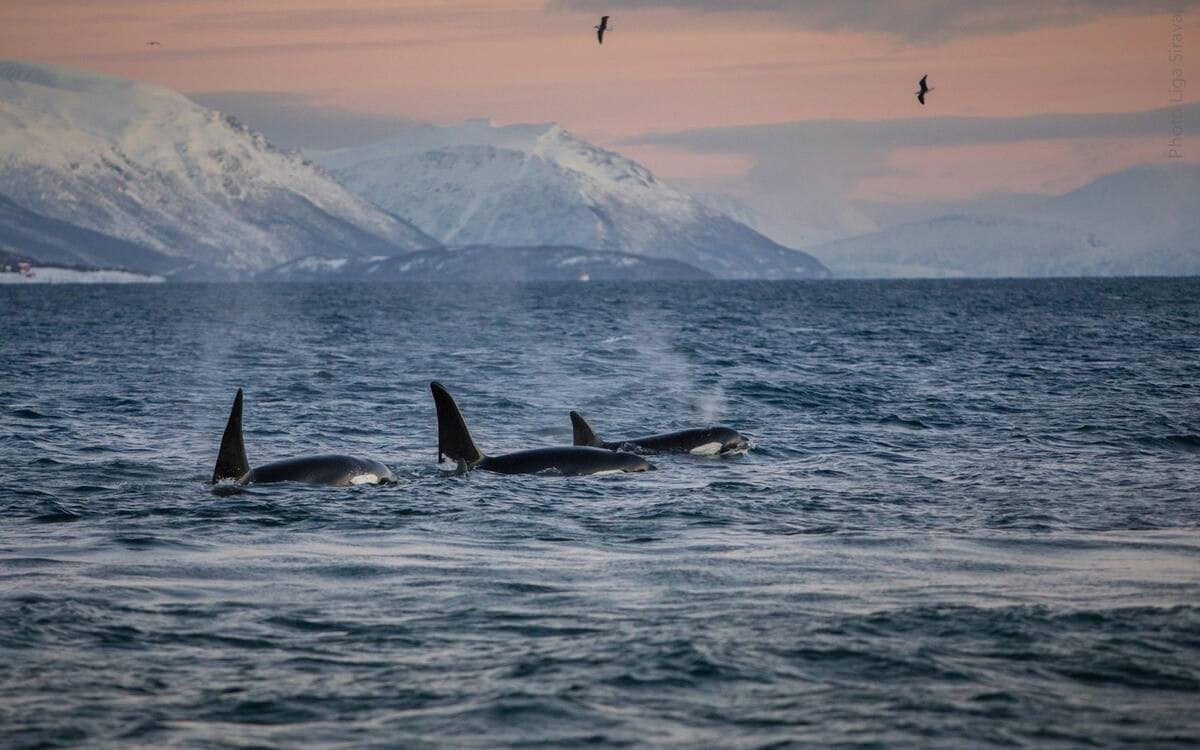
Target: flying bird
point(924, 90)
point(153, 44)
point(603, 27)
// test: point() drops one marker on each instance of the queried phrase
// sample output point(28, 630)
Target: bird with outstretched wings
point(601, 28)
point(924, 90)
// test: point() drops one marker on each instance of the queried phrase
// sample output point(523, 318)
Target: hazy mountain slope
point(30, 235)
point(968, 246)
point(1148, 214)
point(144, 164)
point(540, 185)
point(1140, 221)
point(489, 264)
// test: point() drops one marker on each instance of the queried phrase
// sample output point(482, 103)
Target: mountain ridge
point(1134, 222)
point(145, 165)
point(522, 185)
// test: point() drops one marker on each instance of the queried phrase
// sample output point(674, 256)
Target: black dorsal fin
point(454, 439)
point(231, 460)
point(581, 432)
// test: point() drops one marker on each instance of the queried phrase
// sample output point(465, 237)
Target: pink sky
point(659, 70)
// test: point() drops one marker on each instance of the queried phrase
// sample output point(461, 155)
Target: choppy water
point(970, 517)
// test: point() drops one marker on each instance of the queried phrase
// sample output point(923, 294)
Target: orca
point(329, 469)
point(455, 443)
point(712, 441)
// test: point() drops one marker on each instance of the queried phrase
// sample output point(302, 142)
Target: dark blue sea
point(971, 517)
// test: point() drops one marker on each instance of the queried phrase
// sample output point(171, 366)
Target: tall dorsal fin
point(454, 439)
point(231, 460)
point(581, 432)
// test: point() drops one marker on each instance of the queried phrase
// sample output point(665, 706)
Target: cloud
point(309, 19)
point(464, 20)
point(916, 20)
point(292, 121)
point(225, 52)
point(916, 132)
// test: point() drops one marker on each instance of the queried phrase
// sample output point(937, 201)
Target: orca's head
point(632, 462)
point(733, 443)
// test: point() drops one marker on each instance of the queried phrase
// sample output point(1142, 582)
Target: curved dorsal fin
point(454, 439)
point(582, 433)
point(231, 459)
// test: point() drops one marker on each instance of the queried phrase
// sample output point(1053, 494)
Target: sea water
point(970, 517)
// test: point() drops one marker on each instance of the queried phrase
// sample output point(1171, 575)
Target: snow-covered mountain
point(146, 166)
point(489, 265)
point(539, 185)
point(1142, 221)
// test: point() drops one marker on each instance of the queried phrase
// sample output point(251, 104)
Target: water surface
point(970, 517)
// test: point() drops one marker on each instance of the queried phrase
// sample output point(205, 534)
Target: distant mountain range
point(109, 173)
point(1141, 221)
point(539, 185)
point(103, 173)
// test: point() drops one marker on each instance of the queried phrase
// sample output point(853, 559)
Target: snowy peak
point(92, 103)
point(49, 76)
point(146, 165)
point(417, 138)
point(560, 147)
point(540, 185)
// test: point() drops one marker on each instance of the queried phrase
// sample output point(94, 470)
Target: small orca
point(335, 470)
point(455, 443)
point(713, 441)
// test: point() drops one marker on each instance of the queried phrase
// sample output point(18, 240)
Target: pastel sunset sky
point(782, 104)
